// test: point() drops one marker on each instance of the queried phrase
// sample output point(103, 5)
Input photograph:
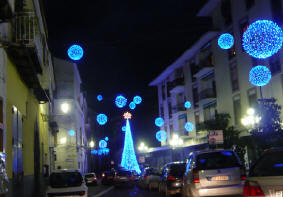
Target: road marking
point(103, 192)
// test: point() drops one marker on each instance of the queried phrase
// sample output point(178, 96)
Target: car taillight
point(146, 177)
point(103, 175)
point(115, 179)
point(171, 178)
point(195, 176)
point(82, 193)
point(95, 178)
point(131, 178)
point(243, 174)
point(251, 188)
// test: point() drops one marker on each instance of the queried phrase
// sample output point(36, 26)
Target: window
point(195, 96)
point(197, 117)
point(1, 126)
point(276, 10)
point(234, 76)
point(275, 66)
point(237, 109)
point(226, 11)
point(252, 97)
point(180, 98)
point(65, 179)
point(163, 92)
point(182, 119)
point(170, 110)
point(249, 3)
point(209, 111)
point(179, 73)
point(244, 23)
point(162, 111)
point(171, 128)
point(231, 52)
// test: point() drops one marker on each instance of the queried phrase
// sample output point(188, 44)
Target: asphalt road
point(111, 191)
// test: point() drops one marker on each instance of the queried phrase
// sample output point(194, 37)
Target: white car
point(266, 176)
point(66, 183)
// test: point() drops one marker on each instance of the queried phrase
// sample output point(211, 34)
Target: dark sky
point(127, 44)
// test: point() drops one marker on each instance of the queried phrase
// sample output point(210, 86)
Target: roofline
point(208, 7)
point(186, 55)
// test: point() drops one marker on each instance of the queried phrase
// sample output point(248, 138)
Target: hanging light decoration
point(123, 128)
point(262, 39)
point(161, 136)
point(187, 104)
point(159, 122)
point(99, 97)
point(75, 52)
point(102, 144)
point(189, 126)
point(101, 119)
point(106, 139)
point(226, 41)
point(259, 75)
point(120, 101)
point(71, 132)
point(137, 100)
point(132, 105)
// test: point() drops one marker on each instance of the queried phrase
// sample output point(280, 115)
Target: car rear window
point(89, 175)
point(177, 169)
point(270, 164)
point(217, 160)
point(65, 179)
point(124, 173)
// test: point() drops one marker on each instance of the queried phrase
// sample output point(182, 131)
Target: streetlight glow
point(65, 108)
point(251, 111)
point(91, 144)
point(142, 147)
point(63, 140)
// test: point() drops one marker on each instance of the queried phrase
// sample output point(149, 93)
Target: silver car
point(213, 173)
point(266, 176)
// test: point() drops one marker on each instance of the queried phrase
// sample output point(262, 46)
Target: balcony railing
point(178, 108)
point(176, 82)
point(207, 93)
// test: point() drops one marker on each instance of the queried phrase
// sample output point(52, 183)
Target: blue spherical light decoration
point(132, 105)
point(120, 101)
point(226, 41)
point(187, 104)
point(123, 128)
point(137, 100)
point(99, 97)
point(93, 152)
point(71, 133)
point(101, 119)
point(102, 144)
point(75, 52)
point(106, 139)
point(259, 75)
point(159, 122)
point(161, 136)
point(189, 126)
point(262, 39)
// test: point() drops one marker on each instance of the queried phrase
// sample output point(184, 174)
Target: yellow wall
point(22, 98)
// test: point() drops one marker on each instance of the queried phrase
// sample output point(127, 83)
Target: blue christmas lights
point(189, 126)
point(102, 144)
point(137, 100)
point(161, 136)
point(159, 122)
point(101, 119)
point(259, 75)
point(99, 97)
point(129, 160)
point(262, 39)
point(132, 105)
point(120, 101)
point(123, 128)
point(71, 132)
point(93, 152)
point(106, 139)
point(226, 41)
point(187, 104)
point(75, 52)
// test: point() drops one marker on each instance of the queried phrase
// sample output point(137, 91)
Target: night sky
point(127, 44)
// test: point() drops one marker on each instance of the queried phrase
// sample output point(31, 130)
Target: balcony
point(207, 94)
point(204, 67)
point(178, 108)
point(176, 85)
point(25, 51)
point(5, 10)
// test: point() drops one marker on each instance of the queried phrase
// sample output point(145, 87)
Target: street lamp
point(250, 119)
point(65, 107)
point(142, 147)
point(176, 141)
point(91, 144)
point(63, 140)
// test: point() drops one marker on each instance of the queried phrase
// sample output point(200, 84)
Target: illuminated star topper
point(127, 115)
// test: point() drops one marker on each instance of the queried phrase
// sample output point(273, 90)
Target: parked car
point(171, 178)
point(266, 175)
point(107, 177)
point(90, 178)
point(124, 178)
point(66, 183)
point(213, 173)
point(149, 179)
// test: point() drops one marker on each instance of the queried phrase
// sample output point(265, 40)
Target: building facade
point(71, 116)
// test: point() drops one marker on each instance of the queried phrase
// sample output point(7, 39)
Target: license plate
point(220, 178)
point(123, 178)
point(279, 194)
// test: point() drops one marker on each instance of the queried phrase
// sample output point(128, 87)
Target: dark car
point(124, 178)
point(171, 178)
point(107, 177)
point(90, 178)
point(149, 178)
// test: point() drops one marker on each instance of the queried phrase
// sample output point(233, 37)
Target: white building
point(215, 80)
point(70, 114)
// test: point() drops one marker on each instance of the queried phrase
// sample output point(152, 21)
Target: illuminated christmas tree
point(129, 160)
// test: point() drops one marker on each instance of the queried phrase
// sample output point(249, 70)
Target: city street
point(110, 191)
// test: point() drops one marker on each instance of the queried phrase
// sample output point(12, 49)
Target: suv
point(171, 178)
point(66, 183)
point(266, 175)
point(213, 173)
point(124, 178)
point(90, 178)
